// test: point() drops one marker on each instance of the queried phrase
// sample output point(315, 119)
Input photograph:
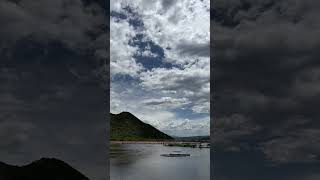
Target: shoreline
point(153, 142)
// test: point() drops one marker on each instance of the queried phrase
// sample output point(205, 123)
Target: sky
point(264, 80)
point(266, 89)
point(52, 56)
point(160, 63)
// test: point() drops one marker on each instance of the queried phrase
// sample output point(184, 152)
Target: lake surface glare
point(143, 162)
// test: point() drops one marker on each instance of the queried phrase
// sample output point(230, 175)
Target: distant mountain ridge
point(126, 127)
point(193, 139)
point(43, 169)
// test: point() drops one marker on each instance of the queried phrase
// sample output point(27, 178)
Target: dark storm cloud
point(65, 20)
point(53, 74)
point(266, 70)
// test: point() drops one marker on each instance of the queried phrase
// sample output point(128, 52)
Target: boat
point(175, 155)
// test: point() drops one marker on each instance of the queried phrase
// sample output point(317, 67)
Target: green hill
point(127, 127)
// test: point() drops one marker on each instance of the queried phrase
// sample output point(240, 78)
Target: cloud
point(187, 83)
point(53, 58)
point(190, 49)
point(70, 22)
point(167, 101)
point(157, 112)
point(265, 70)
point(121, 53)
point(302, 146)
point(159, 65)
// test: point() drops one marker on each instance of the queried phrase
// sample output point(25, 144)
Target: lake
point(143, 162)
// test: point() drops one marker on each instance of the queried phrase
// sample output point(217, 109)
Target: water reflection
point(143, 162)
point(125, 155)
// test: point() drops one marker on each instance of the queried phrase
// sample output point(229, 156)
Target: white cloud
point(168, 102)
point(187, 127)
point(181, 29)
point(160, 115)
point(191, 83)
point(121, 52)
point(186, 22)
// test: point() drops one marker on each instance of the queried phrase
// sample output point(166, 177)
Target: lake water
point(143, 162)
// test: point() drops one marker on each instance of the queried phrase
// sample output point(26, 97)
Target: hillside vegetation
point(126, 127)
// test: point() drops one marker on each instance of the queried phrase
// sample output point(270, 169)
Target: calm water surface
point(143, 162)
